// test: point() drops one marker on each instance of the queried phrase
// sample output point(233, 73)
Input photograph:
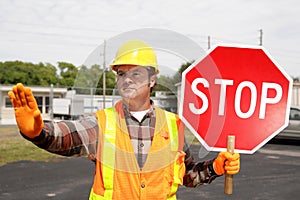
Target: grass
point(13, 147)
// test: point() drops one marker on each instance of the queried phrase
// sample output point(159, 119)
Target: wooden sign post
point(229, 177)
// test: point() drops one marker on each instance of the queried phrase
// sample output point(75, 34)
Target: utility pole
point(104, 74)
point(260, 37)
point(51, 101)
point(208, 42)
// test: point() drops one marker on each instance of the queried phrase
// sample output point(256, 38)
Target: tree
point(110, 82)
point(12, 72)
point(82, 78)
point(68, 73)
point(177, 77)
point(49, 74)
point(167, 83)
point(92, 77)
point(87, 77)
point(164, 83)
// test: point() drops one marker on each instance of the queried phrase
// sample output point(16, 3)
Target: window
point(295, 114)
point(8, 103)
point(47, 104)
point(39, 101)
point(42, 101)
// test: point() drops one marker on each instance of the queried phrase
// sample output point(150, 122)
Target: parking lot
point(271, 173)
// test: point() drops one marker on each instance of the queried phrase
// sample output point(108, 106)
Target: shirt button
point(143, 185)
point(142, 145)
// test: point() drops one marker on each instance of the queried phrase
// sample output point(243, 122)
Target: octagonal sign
point(238, 91)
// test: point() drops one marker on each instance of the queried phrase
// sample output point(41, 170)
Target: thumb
point(38, 120)
point(219, 163)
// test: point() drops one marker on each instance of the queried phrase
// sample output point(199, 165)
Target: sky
point(72, 30)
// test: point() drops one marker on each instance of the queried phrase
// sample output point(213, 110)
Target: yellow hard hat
point(135, 52)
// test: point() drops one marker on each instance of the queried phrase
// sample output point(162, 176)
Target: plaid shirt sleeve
point(197, 173)
point(68, 138)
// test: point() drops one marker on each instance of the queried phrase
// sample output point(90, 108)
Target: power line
point(50, 34)
point(49, 44)
point(56, 26)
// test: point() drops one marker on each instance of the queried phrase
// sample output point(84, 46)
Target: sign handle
point(229, 177)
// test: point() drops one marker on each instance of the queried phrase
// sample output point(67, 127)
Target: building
point(66, 104)
point(295, 101)
point(92, 103)
point(42, 95)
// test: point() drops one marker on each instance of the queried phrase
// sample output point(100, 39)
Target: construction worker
point(139, 149)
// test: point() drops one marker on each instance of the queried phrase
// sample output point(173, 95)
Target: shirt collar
point(150, 113)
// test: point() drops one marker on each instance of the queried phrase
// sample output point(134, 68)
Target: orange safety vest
point(117, 174)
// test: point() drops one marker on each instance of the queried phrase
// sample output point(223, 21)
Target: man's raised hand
point(27, 114)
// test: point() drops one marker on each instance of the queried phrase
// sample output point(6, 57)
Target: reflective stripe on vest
point(172, 126)
point(109, 155)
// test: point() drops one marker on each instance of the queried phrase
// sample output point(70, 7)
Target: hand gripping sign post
point(235, 91)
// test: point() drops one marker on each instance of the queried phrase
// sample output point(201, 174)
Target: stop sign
point(238, 91)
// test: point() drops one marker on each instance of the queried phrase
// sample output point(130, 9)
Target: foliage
point(13, 72)
point(167, 83)
point(81, 78)
point(183, 67)
point(110, 80)
point(87, 78)
point(66, 74)
point(93, 78)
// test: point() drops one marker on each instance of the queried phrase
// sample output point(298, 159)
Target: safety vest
point(117, 173)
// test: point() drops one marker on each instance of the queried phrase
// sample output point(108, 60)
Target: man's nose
point(128, 78)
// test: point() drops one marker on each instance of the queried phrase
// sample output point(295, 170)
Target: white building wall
point(295, 101)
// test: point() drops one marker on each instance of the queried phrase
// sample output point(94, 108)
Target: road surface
point(271, 173)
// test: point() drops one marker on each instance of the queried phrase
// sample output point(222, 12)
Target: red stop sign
point(237, 91)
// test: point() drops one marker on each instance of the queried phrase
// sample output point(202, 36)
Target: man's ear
point(152, 80)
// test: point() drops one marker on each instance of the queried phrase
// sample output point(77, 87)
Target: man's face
point(133, 82)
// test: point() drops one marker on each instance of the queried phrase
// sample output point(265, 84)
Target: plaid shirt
point(80, 137)
point(141, 133)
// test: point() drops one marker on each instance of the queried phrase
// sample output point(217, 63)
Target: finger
point(15, 91)
point(223, 155)
point(232, 168)
point(226, 155)
point(231, 157)
point(21, 93)
point(30, 98)
point(13, 100)
point(232, 172)
point(235, 156)
point(232, 163)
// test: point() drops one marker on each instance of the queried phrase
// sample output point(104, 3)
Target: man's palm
point(27, 114)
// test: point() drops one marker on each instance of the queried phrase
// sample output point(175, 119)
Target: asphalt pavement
point(271, 173)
